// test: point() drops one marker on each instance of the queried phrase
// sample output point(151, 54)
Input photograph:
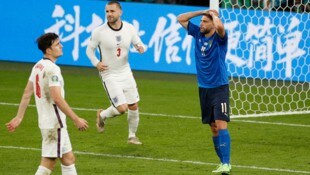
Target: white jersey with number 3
point(114, 47)
point(45, 74)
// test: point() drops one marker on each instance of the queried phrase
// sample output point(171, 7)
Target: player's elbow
point(89, 51)
point(57, 100)
point(181, 18)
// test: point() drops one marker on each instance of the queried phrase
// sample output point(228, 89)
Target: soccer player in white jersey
point(47, 85)
point(114, 39)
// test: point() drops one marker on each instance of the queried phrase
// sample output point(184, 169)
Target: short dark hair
point(46, 40)
point(115, 2)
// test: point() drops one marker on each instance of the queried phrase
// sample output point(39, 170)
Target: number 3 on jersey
point(118, 54)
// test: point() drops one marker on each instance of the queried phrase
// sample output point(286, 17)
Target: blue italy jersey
point(210, 54)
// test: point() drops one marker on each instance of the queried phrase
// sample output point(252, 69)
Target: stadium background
point(170, 49)
point(174, 139)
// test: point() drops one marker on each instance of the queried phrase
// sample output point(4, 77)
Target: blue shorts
point(214, 104)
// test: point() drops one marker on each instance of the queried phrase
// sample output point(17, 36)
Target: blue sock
point(224, 146)
point(216, 143)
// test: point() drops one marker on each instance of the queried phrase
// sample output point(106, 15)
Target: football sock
point(110, 112)
point(43, 171)
point(224, 146)
point(68, 170)
point(216, 146)
point(133, 122)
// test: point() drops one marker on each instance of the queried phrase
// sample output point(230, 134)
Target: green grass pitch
point(174, 140)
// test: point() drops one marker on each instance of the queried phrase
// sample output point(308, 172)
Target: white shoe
point(134, 141)
point(223, 169)
point(100, 121)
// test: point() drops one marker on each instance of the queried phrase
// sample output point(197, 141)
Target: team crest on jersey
point(115, 100)
point(55, 78)
point(119, 38)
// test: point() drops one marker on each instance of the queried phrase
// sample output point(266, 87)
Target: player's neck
point(117, 25)
point(210, 33)
point(48, 57)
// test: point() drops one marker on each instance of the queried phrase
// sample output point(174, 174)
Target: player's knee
point(48, 163)
point(68, 159)
point(214, 130)
point(133, 107)
point(122, 108)
point(220, 124)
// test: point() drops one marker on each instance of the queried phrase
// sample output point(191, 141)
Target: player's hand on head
point(13, 124)
point(213, 12)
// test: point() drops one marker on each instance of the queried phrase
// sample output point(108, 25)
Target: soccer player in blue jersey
point(210, 52)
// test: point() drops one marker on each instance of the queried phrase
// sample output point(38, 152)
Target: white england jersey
point(114, 47)
point(45, 74)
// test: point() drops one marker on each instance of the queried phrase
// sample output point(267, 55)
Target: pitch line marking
point(182, 116)
point(164, 160)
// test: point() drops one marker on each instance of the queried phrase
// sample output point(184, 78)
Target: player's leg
point(221, 139)
point(51, 138)
point(133, 123)
point(68, 164)
point(46, 166)
point(67, 159)
point(117, 100)
point(221, 116)
point(132, 98)
point(216, 141)
point(207, 116)
point(114, 91)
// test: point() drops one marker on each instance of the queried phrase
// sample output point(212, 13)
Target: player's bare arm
point(218, 25)
point(185, 17)
point(61, 103)
point(15, 122)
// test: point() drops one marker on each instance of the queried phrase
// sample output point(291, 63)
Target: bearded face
point(113, 13)
point(206, 24)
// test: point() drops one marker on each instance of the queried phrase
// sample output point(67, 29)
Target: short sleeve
point(193, 29)
point(54, 76)
point(223, 40)
point(32, 76)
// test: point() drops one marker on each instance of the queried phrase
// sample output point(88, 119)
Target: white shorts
point(55, 142)
point(121, 90)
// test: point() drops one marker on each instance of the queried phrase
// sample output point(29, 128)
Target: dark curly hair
point(46, 40)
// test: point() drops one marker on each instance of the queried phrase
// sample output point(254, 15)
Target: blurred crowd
point(279, 5)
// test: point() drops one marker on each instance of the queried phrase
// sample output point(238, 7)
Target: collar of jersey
point(116, 29)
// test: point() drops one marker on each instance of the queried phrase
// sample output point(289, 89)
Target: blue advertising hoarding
point(262, 44)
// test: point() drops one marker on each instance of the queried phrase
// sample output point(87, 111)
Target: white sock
point(68, 170)
point(110, 112)
point(43, 171)
point(133, 122)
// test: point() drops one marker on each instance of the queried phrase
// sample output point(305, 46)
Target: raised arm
point(184, 18)
point(15, 122)
point(218, 25)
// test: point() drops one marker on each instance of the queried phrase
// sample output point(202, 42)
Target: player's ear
point(120, 13)
point(48, 50)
